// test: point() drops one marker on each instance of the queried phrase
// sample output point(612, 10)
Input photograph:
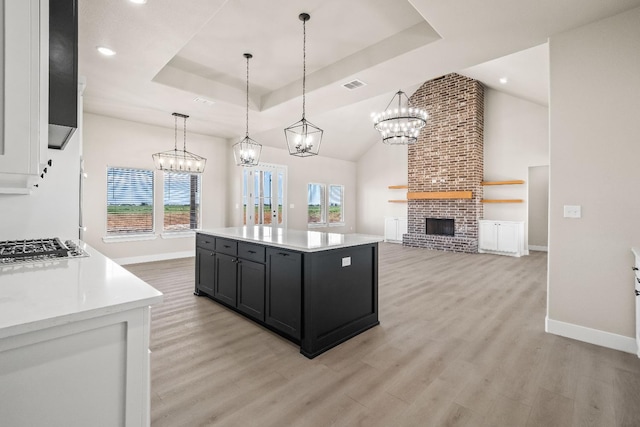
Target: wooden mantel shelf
point(439, 195)
point(398, 187)
point(515, 181)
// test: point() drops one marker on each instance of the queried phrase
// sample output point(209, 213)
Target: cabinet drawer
point(225, 246)
point(205, 241)
point(251, 252)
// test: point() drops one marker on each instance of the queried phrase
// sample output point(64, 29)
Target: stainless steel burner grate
point(32, 250)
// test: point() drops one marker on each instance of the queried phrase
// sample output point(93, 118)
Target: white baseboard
point(538, 248)
point(155, 257)
point(592, 336)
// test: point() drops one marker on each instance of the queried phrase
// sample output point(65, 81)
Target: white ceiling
point(169, 52)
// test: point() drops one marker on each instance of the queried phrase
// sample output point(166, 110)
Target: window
point(336, 204)
point(316, 213)
point(325, 208)
point(181, 201)
point(129, 201)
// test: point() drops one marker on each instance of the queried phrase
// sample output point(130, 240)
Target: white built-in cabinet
point(394, 228)
point(24, 55)
point(501, 237)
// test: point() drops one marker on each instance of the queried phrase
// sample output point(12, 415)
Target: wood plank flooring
point(461, 343)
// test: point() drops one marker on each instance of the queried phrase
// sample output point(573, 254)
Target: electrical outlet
point(572, 211)
point(346, 261)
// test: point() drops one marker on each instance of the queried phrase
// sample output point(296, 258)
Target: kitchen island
point(74, 343)
point(316, 289)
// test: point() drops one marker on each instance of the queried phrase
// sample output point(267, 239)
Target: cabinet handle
point(634, 268)
point(637, 292)
point(226, 246)
point(252, 252)
point(283, 254)
point(638, 279)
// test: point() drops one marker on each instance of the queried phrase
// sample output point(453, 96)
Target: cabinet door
point(205, 271)
point(284, 291)
point(390, 229)
point(226, 274)
point(507, 237)
point(251, 278)
point(25, 72)
point(488, 235)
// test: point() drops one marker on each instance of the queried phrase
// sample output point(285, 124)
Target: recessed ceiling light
point(138, 1)
point(106, 51)
point(503, 80)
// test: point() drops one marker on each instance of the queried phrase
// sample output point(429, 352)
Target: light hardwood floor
point(461, 343)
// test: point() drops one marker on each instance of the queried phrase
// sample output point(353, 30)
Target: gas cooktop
point(36, 250)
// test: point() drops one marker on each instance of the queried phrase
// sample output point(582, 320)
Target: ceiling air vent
point(204, 101)
point(354, 84)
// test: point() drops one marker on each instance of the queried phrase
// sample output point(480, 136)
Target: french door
point(264, 195)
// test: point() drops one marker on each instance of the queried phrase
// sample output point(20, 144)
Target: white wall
point(595, 150)
point(52, 210)
point(383, 165)
point(121, 143)
point(516, 136)
point(538, 201)
point(301, 172)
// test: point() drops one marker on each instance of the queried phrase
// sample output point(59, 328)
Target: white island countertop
point(298, 240)
point(45, 294)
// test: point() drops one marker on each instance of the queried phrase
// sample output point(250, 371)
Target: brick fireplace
point(448, 157)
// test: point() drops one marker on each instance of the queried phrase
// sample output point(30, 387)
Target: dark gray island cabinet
point(315, 289)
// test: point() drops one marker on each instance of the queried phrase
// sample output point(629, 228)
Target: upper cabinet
point(24, 53)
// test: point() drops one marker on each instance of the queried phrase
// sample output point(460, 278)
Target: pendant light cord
point(247, 134)
point(304, 64)
point(184, 144)
point(175, 134)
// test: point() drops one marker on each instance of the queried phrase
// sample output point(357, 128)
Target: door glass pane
point(280, 196)
point(266, 197)
point(245, 195)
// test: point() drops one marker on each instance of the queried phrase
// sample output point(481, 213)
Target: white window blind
point(181, 201)
point(129, 200)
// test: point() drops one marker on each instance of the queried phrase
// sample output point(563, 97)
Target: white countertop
point(45, 294)
point(299, 240)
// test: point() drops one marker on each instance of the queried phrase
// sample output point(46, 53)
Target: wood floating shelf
point(513, 182)
point(398, 187)
point(502, 201)
point(439, 195)
point(397, 201)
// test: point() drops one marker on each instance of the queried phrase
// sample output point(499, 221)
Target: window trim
point(114, 237)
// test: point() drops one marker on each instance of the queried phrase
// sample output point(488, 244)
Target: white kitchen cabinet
point(501, 237)
point(394, 228)
point(25, 92)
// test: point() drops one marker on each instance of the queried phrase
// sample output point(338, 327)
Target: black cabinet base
point(317, 352)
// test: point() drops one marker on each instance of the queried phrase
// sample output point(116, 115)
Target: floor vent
point(354, 84)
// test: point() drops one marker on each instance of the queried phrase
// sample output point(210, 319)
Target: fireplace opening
point(440, 226)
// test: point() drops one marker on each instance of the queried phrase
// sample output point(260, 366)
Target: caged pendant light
point(400, 123)
point(303, 137)
point(247, 152)
point(179, 160)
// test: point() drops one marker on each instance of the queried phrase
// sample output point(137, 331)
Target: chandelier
point(247, 151)
point(400, 124)
point(179, 160)
point(303, 137)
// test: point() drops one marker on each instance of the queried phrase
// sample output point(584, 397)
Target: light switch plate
point(291, 206)
point(346, 261)
point(572, 211)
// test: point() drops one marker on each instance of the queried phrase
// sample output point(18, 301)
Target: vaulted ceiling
point(170, 53)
